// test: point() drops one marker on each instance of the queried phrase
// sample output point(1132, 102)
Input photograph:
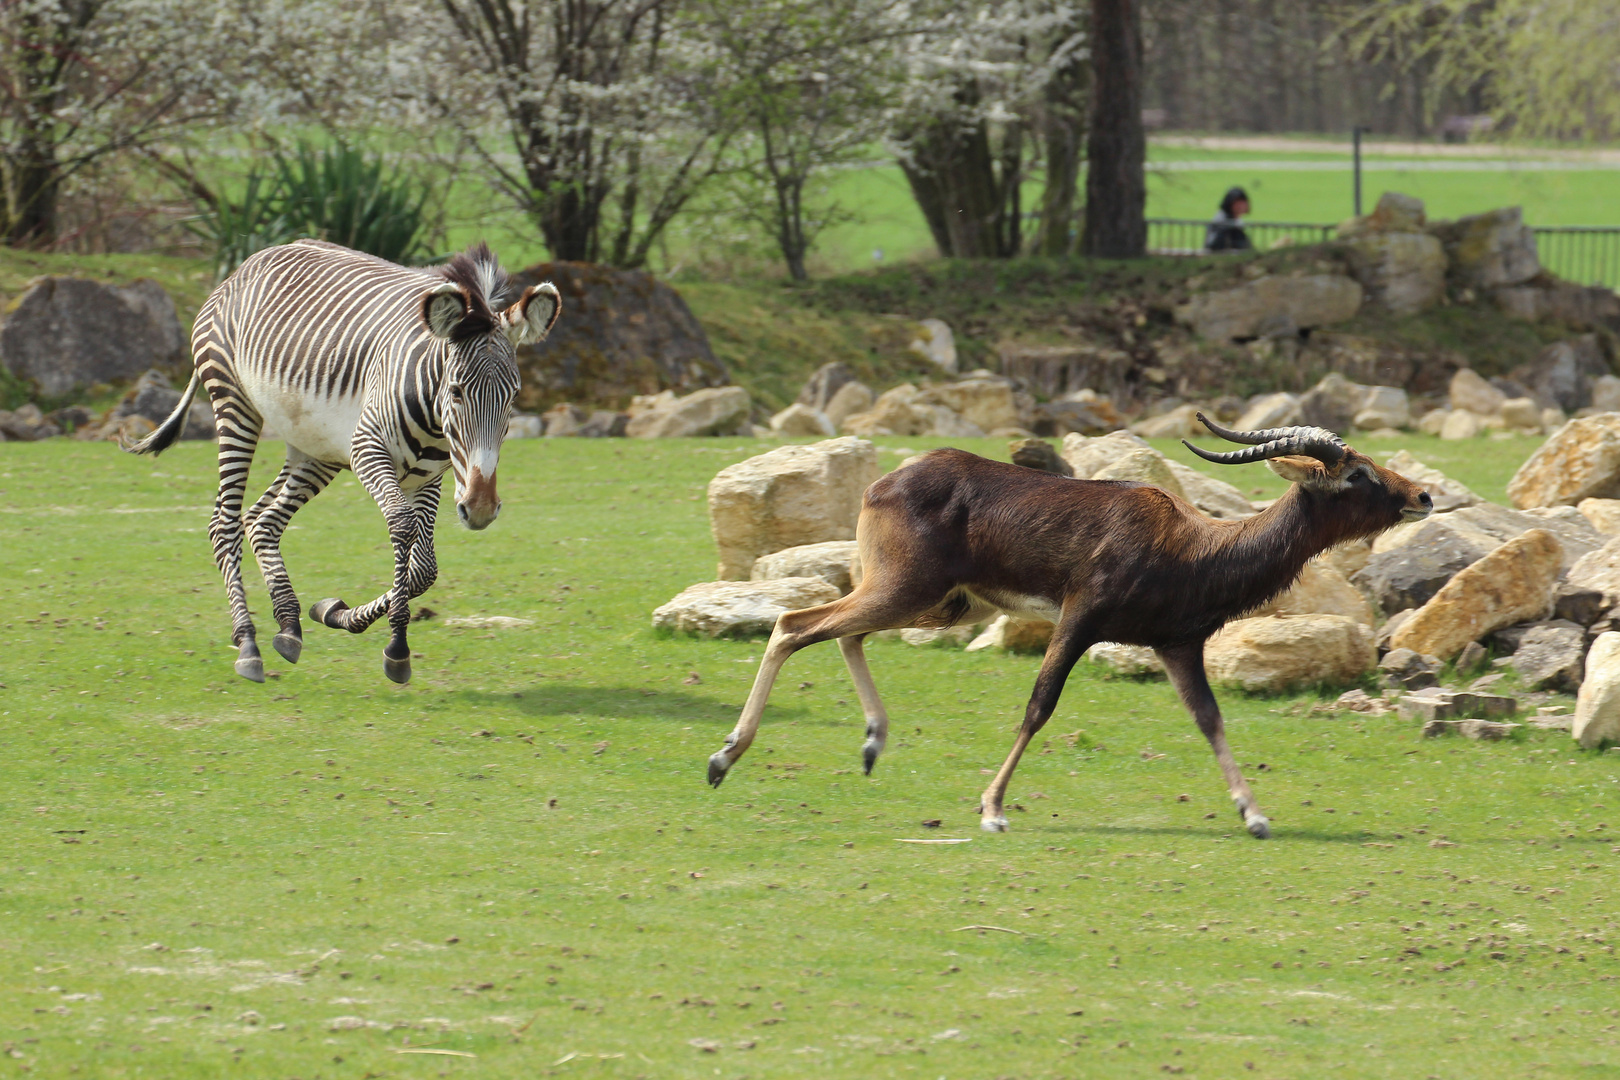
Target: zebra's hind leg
point(415, 569)
point(301, 479)
point(239, 425)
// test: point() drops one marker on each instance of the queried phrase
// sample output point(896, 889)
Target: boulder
point(67, 334)
point(823, 386)
point(706, 412)
point(1434, 421)
point(836, 562)
point(1551, 656)
point(1579, 461)
point(936, 344)
point(569, 420)
point(1320, 590)
point(1278, 652)
point(1478, 730)
point(1599, 571)
point(946, 423)
point(1269, 411)
point(1039, 455)
point(525, 426)
point(26, 424)
point(740, 608)
point(986, 403)
point(850, 399)
point(621, 333)
point(1348, 557)
point(893, 413)
point(152, 398)
point(1522, 414)
point(935, 635)
point(1485, 526)
point(1472, 392)
point(1489, 250)
point(1597, 706)
point(1332, 403)
point(1448, 494)
point(789, 496)
point(1604, 514)
point(1579, 604)
point(1403, 273)
point(1606, 394)
point(1014, 634)
point(1391, 624)
point(1461, 424)
point(799, 419)
point(1410, 670)
point(1179, 423)
point(1383, 407)
point(1409, 576)
point(1436, 704)
point(1214, 497)
point(1143, 467)
point(1564, 373)
point(1271, 306)
point(1126, 659)
point(1512, 584)
point(1086, 456)
point(1086, 412)
point(1394, 213)
point(1053, 371)
point(1576, 306)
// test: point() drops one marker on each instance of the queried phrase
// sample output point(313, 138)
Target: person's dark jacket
point(1226, 234)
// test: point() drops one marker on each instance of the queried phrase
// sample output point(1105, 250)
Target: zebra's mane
point(479, 274)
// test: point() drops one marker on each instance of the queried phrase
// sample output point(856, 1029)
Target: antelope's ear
point(1307, 472)
point(443, 308)
point(532, 317)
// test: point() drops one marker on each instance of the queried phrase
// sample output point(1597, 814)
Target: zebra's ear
point(532, 317)
point(443, 308)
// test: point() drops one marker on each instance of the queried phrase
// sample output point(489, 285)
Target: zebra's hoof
point(326, 612)
point(289, 645)
point(250, 668)
point(397, 670)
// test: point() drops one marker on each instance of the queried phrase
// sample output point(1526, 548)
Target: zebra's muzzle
point(479, 505)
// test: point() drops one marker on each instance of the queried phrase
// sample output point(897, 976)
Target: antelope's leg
point(301, 479)
point(1069, 640)
point(1185, 666)
point(238, 424)
point(877, 717)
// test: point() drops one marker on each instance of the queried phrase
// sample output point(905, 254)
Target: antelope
point(954, 538)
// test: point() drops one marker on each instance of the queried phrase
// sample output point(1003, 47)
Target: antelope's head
point(1360, 496)
point(480, 380)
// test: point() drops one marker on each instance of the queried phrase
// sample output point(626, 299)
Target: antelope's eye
point(1359, 477)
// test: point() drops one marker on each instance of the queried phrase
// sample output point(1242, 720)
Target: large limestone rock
point(1460, 425)
point(571, 421)
point(1269, 411)
point(1579, 461)
point(67, 334)
point(936, 344)
point(1384, 407)
point(1448, 494)
point(1470, 391)
point(621, 333)
point(1087, 456)
point(1597, 707)
point(824, 384)
point(905, 410)
point(1600, 571)
point(799, 419)
point(1604, 514)
point(1277, 652)
point(1489, 250)
point(1485, 526)
point(1012, 633)
point(1402, 272)
point(1214, 497)
point(836, 562)
point(1143, 467)
point(1550, 656)
point(1179, 423)
point(706, 412)
point(851, 398)
point(1332, 403)
point(1126, 659)
point(1512, 584)
point(1085, 412)
point(740, 608)
point(1395, 212)
point(29, 424)
point(1564, 373)
point(790, 496)
point(1056, 370)
point(985, 403)
point(1271, 306)
point(1321, 590)
point(1409, 575)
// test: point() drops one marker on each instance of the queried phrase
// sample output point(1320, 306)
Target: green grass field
point(512, 867)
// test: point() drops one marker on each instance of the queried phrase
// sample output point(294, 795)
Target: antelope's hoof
point(869, 755)
point(397, 670)
point(250, 668)
point(717, 768)
point(1258, 827)
point(326, 612)
point(994, 824)
point(290, 644)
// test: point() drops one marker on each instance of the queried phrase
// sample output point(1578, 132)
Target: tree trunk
point(32, 186)
point(970, 204)
point(1063, 131)
point(1116, 150)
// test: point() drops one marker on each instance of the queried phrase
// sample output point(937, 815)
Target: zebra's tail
point(168, 431)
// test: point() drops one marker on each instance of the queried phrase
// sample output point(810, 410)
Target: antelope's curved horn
point(1315, 442)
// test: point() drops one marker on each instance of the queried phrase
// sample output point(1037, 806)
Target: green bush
point(336, 193)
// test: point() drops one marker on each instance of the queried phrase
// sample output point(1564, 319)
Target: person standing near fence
point(1226, 232)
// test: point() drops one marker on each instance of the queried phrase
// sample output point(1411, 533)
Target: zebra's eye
point(455, 392)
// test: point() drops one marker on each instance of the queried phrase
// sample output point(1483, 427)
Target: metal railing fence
point(1584, 254)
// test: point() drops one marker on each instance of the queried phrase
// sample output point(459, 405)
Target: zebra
point(396, 373)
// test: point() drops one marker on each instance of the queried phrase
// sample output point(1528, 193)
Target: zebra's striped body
point(398, 374)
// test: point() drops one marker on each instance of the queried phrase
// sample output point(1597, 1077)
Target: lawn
point(513, 866)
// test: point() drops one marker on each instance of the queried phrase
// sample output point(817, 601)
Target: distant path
point(1275, 144)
